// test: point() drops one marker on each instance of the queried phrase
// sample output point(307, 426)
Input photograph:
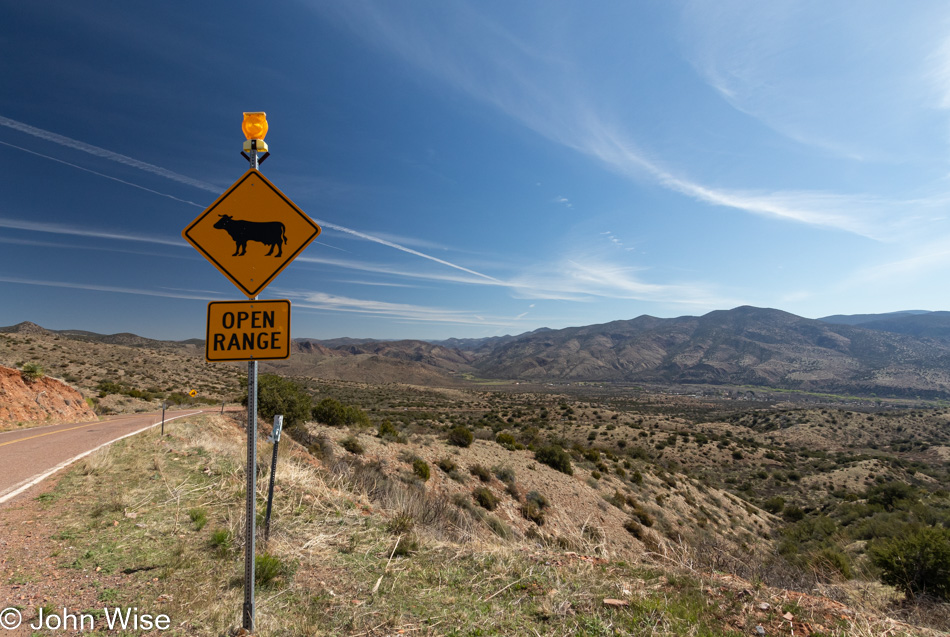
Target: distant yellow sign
point(248, 330)
point(193, 393)
point(251, 233)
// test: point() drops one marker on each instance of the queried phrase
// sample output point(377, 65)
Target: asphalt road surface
point(29, 456)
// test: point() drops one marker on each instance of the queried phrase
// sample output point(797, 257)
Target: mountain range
point(902, 354)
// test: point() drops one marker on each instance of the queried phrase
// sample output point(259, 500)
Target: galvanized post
point(163, 417)
point(275, 438)
point(250, 532)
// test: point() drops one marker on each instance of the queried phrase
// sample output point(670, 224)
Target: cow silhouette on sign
point(270, 233)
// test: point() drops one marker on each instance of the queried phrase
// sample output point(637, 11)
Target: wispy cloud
point(103, 175)
point(200, 296)
point(106, 154)
point(322, 301)
point(470, 52)
point(564, 201)
point(62, 229)
point(162, 172)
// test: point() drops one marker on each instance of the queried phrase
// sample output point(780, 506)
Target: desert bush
point(617, 499)
point(276, 395)
point(447, 465)
point(480, 472)
point(334, 413)
point(387, 430)
point(461, 437)
point(485, 498)
point(401, 524)
point(498, 527)
point(538, 499)
point(830, 563)
point(555, 457)
point(506, 440)
point(421, 468)
point(634, 528)
point(352, 444)
point(31, 372)
point(532, 512)
point(505, 474)
point(918, 563)
point(774, 505)
point(890, 494)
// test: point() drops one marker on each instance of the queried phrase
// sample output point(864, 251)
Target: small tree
point(916, 563)
point(277, 395)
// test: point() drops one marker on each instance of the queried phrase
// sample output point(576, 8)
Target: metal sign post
point(163, 417)
point(250, 532)
point(252, 210)
point(275, 438)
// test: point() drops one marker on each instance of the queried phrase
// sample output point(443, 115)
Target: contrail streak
point(168, 174)
point(105, 154)
point(121, 181)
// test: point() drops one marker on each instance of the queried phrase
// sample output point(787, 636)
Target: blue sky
point(478, 168)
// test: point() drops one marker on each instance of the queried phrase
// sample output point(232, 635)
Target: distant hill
point(898, 354)
point(861, 319)
point(743, 346)
point(122, 338)
point(917, 323)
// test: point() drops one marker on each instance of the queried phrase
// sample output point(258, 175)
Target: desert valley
point(738, 473)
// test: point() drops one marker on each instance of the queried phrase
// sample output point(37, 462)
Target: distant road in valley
point(29, 456)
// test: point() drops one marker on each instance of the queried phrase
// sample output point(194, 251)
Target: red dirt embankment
point(42, 401)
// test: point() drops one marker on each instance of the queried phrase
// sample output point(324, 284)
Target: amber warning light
point(255, 130)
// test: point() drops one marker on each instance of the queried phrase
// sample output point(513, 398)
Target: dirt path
point(29, 456)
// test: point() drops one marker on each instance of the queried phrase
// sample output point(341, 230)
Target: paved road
point(28, 456)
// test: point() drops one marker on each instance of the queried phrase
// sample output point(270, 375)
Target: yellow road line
point(48, 433)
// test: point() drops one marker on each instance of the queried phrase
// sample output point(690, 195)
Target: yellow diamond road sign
point(248, 330)
point(251, 233)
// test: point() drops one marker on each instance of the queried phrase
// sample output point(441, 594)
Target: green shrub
point(556, 458)
point(642, 515)
point(832, 563)
point(461, 437)
point(634, 528)
point(276, 395)
point(506, 440)
point(352, 444)
point(538, 499)
point(532, 512)
point(485, 498)
point(334, 413)
point(917, 563)
point(388, 430)
point(421, 468)
point(480, 472)
point(31, 372)
point(447, 465)
point(774, 505)
point(793, 513)
point(505, 474)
